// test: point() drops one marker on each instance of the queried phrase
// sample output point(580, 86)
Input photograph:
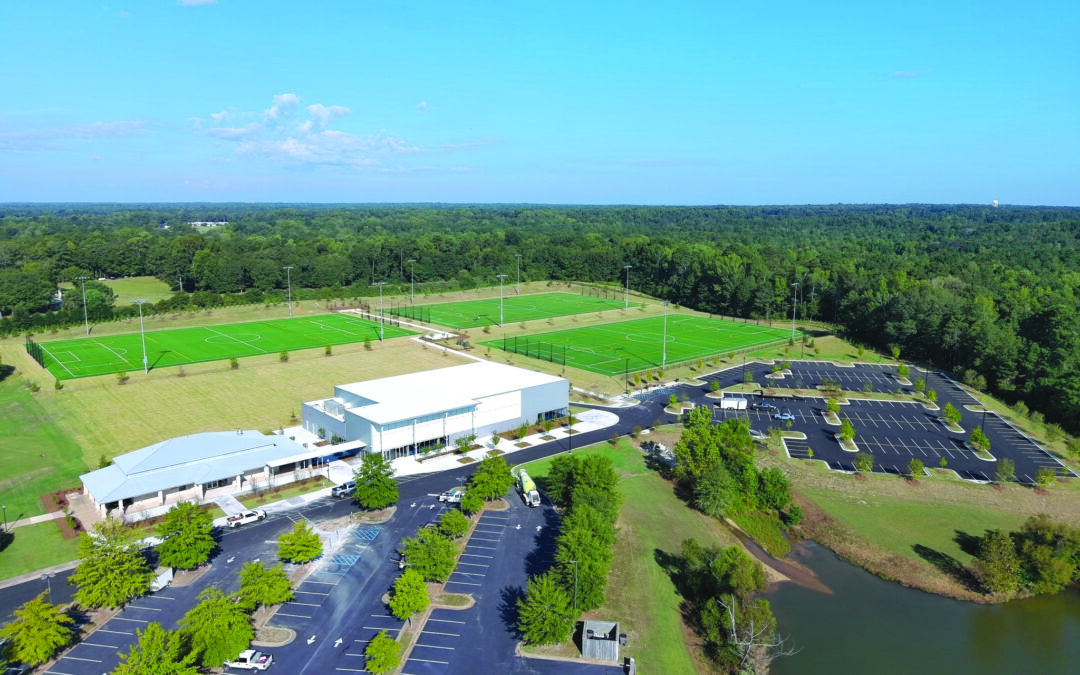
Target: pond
point(867, 625)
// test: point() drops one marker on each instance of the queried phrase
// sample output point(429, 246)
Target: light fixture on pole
point(626, 298)
point(518, 256)
point(145, 363)
point(501, 277)
point(288, 277)
point(794, 296)
point(86, 320)
point(5, 517)
point(47, 578)
point(412, 282)
point(663, 353)
point(382, 321)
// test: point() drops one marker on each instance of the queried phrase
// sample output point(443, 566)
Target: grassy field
point(515, 309)
point(95, 417)
point(132, 288)
point(38, 456)
point(88, 357)
point(640, 594)
point(637, 344)
point(35, 547)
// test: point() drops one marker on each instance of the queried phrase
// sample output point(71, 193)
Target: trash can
point(622, 639)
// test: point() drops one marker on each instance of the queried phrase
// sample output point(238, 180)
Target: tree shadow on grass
point(968, 543)
point(949, 565)
point(6, 372)
point(6, 539)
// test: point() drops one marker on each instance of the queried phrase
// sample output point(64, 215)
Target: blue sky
point(553, 102)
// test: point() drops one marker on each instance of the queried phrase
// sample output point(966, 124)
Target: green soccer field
point(636, 345)
point(87, 357)
point(516, 308)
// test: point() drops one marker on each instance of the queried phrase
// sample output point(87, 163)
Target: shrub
point(234, 363)
point(283, 356)
point(1044, 477)
point(864, 462)
point(915, 468)
point(1006, 471)
point(122, 377)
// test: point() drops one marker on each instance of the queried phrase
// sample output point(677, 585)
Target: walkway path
point(33, 520)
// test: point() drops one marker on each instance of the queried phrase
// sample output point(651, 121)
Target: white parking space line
point(149, 609)
point(158, 597)
point(58, 672)
point(121, 618)
point(428, 661)
point(325, 583)
point(482, 539)
point(486, 548)
point(473, 564)
point(76, 658)
point(477, 555)
point(434, 646)
point(447, 621)
point(433, 632)
point(95, 644)
point(352, 670)
point(311, 593)
point(118, 632)
point(304, 604)
point(298, 616)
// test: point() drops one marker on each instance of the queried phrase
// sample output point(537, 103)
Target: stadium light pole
point(288, 276)
point(794, 291)
point(5, 517)
point(518, 289)
point(501, 277)
point(412, 282)
point(145, 364)
point(626, 297)
point(382, 320)
point(86, 320)
point(663, 353)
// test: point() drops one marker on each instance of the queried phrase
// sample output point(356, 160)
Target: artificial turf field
point(87, 357)
point(611, 349)
point(516, 308)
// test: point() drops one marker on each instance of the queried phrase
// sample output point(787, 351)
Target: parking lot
point(893, 431)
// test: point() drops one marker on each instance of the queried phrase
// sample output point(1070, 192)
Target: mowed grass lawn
point(515, 308)
point(38, 456)
point(640, 594)
point(898, 526)
point(87, 357)
point(35, 547)
point(130, 289)
point(636, 345)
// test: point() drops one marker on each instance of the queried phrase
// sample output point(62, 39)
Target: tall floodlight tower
point(288, 275)
point(382, 319)
point(626, 297)
point(145, 363)
point(663, 353)
point(85, 319)
point(412, 281)
point(794, 297)
point(501, 277)
point(518, 289)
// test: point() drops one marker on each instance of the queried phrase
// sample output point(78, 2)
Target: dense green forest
point(978, 291)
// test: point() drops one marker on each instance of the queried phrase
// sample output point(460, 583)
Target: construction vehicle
point(525, 485)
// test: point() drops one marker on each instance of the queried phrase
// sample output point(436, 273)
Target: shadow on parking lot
point(539, 559)
point(508, 608)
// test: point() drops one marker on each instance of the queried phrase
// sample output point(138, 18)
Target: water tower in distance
point(995, 203)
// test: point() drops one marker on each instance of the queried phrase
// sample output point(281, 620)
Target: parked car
point(343, 490)
point(452, 496)
point(250, 659)
point(758, 435)
point(784, 415)
point(763, 405)
point(246, 517)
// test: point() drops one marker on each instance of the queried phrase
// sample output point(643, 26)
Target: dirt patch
point(380, 516)
point(273, 636)
point(466, 460)
point(497, 505)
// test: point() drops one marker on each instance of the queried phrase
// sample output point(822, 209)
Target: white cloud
point(422, 105)
point(322, 115)
point(282, 103)
point(220, 117)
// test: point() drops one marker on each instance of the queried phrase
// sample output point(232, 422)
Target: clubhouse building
point(198, 468)
point(406, 414)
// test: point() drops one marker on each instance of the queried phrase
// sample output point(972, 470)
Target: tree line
point(993, 291)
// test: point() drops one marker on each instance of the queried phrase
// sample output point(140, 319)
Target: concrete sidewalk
point(34, 520)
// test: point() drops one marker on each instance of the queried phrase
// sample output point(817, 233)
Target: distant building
point(198, 468)
point(402, 415)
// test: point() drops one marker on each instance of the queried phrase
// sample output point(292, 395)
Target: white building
point(402, 415)
point(199, 467)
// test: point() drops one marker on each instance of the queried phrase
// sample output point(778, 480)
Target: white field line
point(56, 359)
point(234, 339)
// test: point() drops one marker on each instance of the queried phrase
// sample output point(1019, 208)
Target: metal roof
point(604, 644)
point(186, 460)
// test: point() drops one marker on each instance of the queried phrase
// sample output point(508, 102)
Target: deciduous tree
point(492, 478)
point(431, 554)
point(301, 544)
point(217, 629)
point(454, 524)
point(157, 652)
point(915, 468)
point(997, 564)
point(1006, 470)
point(263, 586)
point(410, 595)
point(375, 484)
point(37, 632)
point(187, 539)
point(545, 615)
point(383, 654)
point(864, 462)
point(112, 571)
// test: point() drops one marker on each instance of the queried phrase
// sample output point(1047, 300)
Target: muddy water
point(866, 625)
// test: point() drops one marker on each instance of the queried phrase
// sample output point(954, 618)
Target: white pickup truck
point(246, 517)
point(249, 659)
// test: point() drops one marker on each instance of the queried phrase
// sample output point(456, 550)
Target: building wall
point(314, 419)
